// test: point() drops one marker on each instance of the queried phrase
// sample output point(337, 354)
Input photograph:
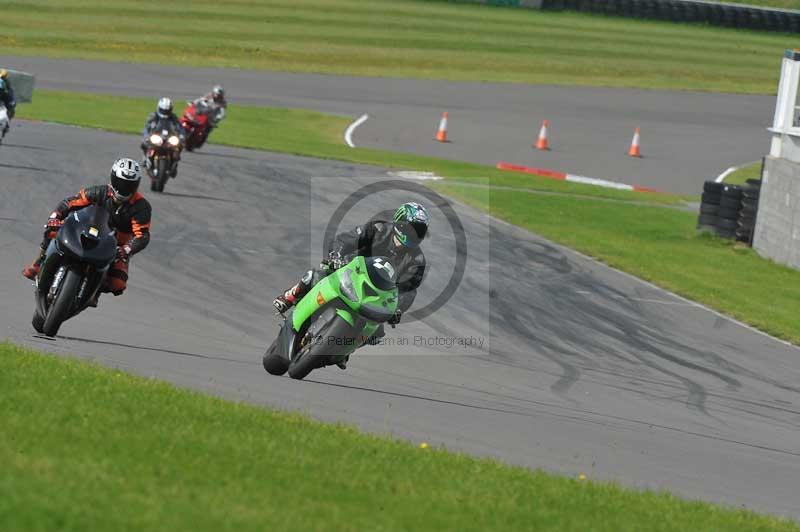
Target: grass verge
point(401, 38)
point(661, 246)
point(740, 176)
point(118, 452)
point(647, 240)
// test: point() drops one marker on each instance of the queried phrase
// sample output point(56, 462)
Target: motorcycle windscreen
point(87, 237)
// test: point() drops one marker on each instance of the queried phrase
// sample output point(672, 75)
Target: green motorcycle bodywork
point(349, 294)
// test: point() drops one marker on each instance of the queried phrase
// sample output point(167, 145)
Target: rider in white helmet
point(164, 118)
point(217, 104)
point(129, 216)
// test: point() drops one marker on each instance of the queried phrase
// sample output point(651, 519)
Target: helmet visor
point(411, 234)
point(124, 188)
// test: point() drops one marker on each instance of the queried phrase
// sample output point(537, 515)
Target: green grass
point(90, 448)
point(740, 176)
point(294, 131)
point(402, 38)
point(661, 246)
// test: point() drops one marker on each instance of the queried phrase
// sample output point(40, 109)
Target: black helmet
point(411, 223)
point(125, 177)
point(218, 93)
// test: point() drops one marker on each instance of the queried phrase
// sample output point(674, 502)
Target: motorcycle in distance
point(3, 122)
point(74, 268)
point(334, 318)
point(195, 122)
point(161, 150)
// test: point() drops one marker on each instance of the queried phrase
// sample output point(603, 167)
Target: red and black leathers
point(130, 219)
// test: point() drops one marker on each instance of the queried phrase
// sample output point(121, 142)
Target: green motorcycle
point(337, 316)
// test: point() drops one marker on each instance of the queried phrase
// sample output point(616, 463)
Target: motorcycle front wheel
point(161, 174)
point(59, 310)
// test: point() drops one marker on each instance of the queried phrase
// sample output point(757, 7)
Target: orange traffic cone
point(634, 150)
point(541, 142)
point(441, 135)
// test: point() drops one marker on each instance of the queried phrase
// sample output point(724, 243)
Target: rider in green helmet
point(398, 240)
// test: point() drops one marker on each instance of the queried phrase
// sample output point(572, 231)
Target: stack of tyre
point(729, 210)
point(747, 216)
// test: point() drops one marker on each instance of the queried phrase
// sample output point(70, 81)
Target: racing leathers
point(216, 108)
point(375, 238)
point(130, 219)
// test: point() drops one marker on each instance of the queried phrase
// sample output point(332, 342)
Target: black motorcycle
point(162, 151)
point(75, 266)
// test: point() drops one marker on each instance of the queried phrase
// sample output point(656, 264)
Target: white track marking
point(598, 182)
point(721, 177)
point(348, 133)
point(420, 176)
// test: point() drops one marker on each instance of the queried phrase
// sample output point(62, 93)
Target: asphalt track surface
point(582, 369)
point(686, 137)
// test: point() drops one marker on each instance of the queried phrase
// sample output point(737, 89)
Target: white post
point(785, 132)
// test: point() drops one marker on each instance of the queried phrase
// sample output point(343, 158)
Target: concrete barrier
point(22, 83)
point(777, 232)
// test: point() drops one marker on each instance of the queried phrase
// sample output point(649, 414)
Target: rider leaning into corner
point(398, 241)
point(217, 105)
point(129, 217)
point(163, 118)
point(7, 94)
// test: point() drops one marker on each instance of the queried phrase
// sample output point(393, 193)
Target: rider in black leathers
point(397, 240)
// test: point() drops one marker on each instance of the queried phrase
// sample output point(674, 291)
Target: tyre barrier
point(747, 214)
point(709, 207)
point(729, 15)
point(729, 211)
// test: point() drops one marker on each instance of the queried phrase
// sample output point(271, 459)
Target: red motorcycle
point(195, 122)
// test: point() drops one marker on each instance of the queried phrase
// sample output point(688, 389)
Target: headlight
point(156, 140)
point(346, 285)
point(173, 140)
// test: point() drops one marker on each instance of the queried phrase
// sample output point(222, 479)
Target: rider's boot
point(33, 270)
point(287, 300)
point(93, 302)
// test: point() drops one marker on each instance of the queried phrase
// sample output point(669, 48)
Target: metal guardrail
point(713, 13)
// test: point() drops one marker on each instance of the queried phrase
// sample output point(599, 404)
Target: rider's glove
point(54, 223)
point(123, 254)
point(334, 261)
point(395, 319)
